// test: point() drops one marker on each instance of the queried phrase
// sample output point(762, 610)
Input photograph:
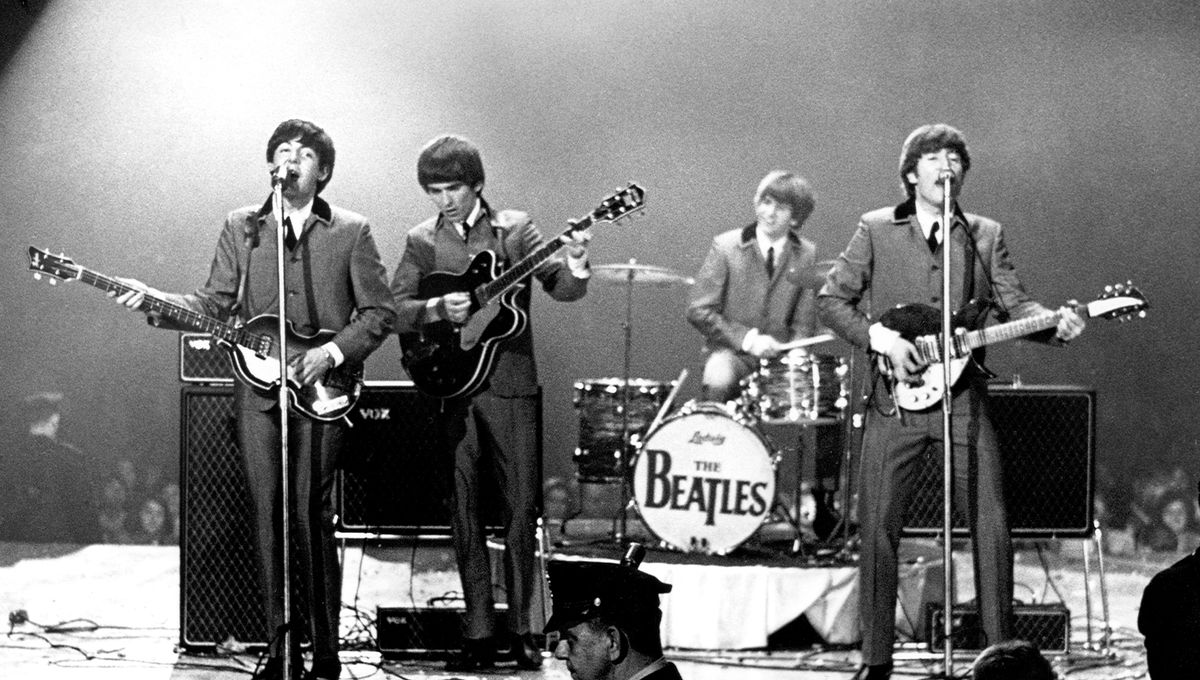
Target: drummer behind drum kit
point(703, 477)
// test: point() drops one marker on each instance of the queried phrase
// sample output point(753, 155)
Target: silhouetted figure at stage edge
point(1012, 660)
point(46, 493)
point(1170, 619)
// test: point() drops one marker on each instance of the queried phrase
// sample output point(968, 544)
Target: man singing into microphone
point(336, 281)
point(895, 258)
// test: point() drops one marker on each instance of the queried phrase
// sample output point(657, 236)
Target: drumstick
point(666, 405)
point(805, 342)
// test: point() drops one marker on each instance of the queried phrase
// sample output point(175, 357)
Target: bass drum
point(703, 481)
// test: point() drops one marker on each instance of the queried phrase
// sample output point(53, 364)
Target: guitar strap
point(309, 291)
point(250, 238)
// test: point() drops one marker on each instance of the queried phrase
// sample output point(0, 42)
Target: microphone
point(284, 174)
point(634, 554)
point(945, 176)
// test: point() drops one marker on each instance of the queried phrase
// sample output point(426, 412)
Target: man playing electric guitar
point(894, 258)
point(336, 281)
point(496, 427)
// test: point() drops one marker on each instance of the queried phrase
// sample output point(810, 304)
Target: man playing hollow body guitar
point(496, 429)
point(894, 258)
point(336, 281)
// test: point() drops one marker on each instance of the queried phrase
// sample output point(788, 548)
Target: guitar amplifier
point(203, 360)
point(424, 632)
point(1047, 626)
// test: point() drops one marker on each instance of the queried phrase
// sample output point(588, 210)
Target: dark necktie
point(932, 240)
point(289, 236)
point(466, 230)
point(771, 262)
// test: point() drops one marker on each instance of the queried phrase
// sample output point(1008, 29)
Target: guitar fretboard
point(517, 273)
point(930, 346)
point(201, 322)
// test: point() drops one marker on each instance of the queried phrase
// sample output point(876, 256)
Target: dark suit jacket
point(1170, 619)
point(732, 293)
point(435, 246)
point(888, 263)
point(336, 260)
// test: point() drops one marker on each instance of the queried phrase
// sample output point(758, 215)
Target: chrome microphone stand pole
point(278, 179)
point(945, 179)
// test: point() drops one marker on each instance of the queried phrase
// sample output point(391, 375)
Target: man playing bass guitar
point(496, 428)
point(336, 282)
point(894, 258)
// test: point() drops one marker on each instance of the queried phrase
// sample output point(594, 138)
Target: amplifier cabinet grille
point(1048, 627)
point(219, 593)
point(202, 360)
point(1047, 445)
point(220, 597)
point(395, 478)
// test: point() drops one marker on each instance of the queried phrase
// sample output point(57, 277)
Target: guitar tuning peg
point(1108, 289)
point(53, 282)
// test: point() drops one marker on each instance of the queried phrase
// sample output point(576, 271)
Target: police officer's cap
point(581, 590)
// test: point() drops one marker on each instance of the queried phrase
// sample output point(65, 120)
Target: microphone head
point(946, 176)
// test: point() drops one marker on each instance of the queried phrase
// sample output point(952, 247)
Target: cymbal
point(632, 272)
point(813, 276)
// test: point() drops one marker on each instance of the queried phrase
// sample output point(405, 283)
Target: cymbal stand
point(623, 455)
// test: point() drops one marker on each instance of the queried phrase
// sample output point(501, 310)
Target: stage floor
point(112, 611)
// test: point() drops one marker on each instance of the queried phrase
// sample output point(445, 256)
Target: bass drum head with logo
point(703, 481)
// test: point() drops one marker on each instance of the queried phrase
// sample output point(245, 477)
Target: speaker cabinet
point(1047, 444)
point(1047, 626)
point(395, 478)
point(219, 593)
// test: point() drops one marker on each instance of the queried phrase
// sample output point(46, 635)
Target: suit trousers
point(891, 453)
point(313, 450)
point(499, 435)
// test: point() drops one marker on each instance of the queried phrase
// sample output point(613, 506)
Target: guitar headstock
point(60, 267)
point(1121, 301)
point(615, 207)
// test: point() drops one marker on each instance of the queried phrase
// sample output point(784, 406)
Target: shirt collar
point(764, 243)
point(654, 667)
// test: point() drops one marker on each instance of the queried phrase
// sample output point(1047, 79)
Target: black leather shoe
point(877, 672)
point(475, 655)
point(526, 652)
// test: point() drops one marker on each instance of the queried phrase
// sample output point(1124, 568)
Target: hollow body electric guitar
point(446, 359)
point(921, 325)
point(253, 347)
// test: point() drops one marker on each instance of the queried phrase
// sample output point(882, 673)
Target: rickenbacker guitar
point(921, 325)
point(253, 347)
point(446, 359)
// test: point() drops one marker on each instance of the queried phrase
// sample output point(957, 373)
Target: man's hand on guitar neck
point(1070, 323)
point(135, 296)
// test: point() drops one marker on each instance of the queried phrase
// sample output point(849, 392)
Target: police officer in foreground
point(608, 618)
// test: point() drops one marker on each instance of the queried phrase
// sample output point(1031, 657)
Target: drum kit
point(701, 476)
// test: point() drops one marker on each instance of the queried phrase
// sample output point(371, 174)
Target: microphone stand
point(947, 442)
point(277, 183)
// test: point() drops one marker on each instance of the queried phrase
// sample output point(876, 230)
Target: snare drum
point(704, 481)
point(797, 387)
point(600, 403)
